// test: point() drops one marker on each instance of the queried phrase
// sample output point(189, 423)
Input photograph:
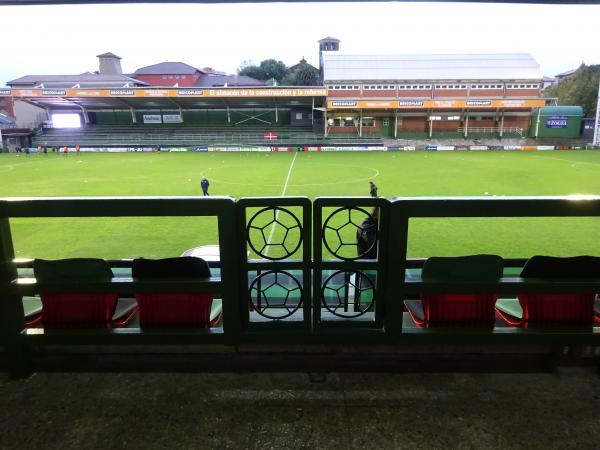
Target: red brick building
point(169, 74)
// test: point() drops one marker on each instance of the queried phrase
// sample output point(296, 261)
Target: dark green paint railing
point(307, 262)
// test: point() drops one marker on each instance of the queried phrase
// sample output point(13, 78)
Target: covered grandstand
point(187, 117)
point(423, 96)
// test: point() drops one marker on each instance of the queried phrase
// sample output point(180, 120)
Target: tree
point(580, 89)
point(250, 69)
point(269, 68)
point(273, 69)
point(253, 72)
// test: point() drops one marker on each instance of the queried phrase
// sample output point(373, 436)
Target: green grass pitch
point(311, 174)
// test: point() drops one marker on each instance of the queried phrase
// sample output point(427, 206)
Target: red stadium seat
point(552, 309)
point(80, 310)
point(167, 310)
point(457, 309)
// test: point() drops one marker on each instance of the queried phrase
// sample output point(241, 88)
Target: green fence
point(302, 254)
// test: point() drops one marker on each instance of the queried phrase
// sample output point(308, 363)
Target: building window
point(347, 122)
point(413, 86)
point(451, 86)
point(379, 87)
point(368, 121)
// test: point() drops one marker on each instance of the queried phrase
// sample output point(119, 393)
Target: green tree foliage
point(269, 68)
point(251, 71)
point(579, 89)
point(273, 69)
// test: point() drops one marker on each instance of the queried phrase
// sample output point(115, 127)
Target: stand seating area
point(140, 136)
point(312, 296)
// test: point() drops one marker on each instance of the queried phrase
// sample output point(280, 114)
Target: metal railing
point(307, 250)
point(492, 130)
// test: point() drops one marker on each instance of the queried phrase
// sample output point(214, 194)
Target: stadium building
point(421, 96)
point(363, 100)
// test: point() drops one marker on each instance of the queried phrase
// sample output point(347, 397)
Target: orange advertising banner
point(262, 92)
point(436, 104)
point(166, 92)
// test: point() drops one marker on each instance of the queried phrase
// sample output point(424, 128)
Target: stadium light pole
point(596, 141)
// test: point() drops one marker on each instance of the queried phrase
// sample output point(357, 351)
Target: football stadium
point(389, 250)
point(402, 198)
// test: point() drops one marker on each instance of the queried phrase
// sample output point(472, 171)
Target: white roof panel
point(505, 66)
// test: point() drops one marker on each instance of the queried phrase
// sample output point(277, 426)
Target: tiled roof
point(167, 68)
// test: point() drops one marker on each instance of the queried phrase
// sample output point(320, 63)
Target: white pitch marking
point(285, 185)
point(331, 183)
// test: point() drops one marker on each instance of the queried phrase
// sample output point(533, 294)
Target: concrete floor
point(295, 410)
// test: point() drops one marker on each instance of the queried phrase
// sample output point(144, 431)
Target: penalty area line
point(285, 185)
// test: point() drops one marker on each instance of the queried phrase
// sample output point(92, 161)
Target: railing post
point(395, 269)
point(12, 319)
point(317, 258)
point(231, 289)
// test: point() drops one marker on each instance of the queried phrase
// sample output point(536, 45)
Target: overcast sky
point(66, 39)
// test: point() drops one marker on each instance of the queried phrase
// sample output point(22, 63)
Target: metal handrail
point(391, 285)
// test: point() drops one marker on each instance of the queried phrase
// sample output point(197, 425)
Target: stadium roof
point(513, 66)
point(88, 79)
point(229, 80)
point(154, 98)
point(167, 68)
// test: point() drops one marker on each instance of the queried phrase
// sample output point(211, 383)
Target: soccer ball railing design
point(264, 245)
point(335, 248)
point(276, 299)
point(348, 296)
point(277, 294)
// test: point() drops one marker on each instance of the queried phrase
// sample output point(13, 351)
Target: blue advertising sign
point(557, 122)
